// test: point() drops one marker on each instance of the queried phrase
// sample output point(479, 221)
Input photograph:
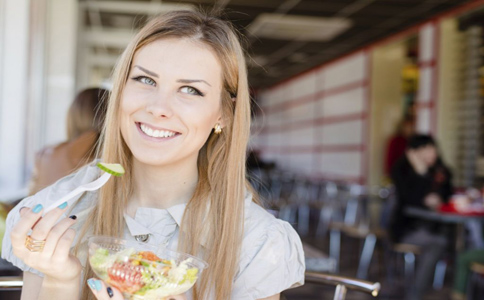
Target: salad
point(142, 274)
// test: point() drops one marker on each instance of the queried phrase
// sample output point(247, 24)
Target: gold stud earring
point(218, 128)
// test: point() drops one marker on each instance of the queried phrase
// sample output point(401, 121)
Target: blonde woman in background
point(178, 120)
point(84, 124)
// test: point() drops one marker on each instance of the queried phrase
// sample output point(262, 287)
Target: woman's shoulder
point(261, 227)
point(272, 257)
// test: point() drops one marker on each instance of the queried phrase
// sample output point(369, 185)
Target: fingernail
point(97, 284)
point(63, 205)
point(91, 284)
point(110, 292)
point(73, 217)
point(37, 208)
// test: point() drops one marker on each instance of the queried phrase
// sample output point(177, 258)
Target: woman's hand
point(433, 201)
point(103, 292)
point(53, 259)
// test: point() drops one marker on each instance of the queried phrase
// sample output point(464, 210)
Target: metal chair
point(475, 288)
point(343, 284)
point(10, 287)
point(11, 283)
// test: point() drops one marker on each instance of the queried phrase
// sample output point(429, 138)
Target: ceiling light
point(301, 28)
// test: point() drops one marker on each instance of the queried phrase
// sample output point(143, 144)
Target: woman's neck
point(162, 187)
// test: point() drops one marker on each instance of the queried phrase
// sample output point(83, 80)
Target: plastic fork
point(91, 186)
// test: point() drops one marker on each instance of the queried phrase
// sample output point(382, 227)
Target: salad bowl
point(141, 271)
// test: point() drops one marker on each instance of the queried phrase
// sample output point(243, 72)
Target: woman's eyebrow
point(147, 71)
point(192, 81)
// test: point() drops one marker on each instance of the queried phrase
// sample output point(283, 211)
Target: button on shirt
point(272, 259)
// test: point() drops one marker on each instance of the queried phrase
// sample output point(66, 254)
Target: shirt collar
point(136, 228)
point(175, 212)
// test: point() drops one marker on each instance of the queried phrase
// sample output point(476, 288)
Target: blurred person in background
point(421, 180)
point(84, 123)
point(397, 143)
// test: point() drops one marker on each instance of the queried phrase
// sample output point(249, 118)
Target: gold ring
point(34, 245)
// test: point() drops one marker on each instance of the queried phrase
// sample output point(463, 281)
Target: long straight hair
point(214, 216)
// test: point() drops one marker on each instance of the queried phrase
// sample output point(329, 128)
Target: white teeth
point(156, 133)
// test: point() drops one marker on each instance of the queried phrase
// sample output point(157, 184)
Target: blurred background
point(335, 84)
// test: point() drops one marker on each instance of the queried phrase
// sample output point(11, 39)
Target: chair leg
point(340, 293)
point(285, 213)
point(366, 256)
point(409, 258)
point(334, 247)
point(303, 219)
point(439, 275)
point(323, 222)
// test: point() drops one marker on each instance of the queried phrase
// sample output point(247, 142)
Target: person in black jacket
point(421, 180)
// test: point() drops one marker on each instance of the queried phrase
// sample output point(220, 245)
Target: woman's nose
point(160, 105)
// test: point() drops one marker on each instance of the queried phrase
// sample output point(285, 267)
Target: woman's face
point(171, 101)
point(428, 154)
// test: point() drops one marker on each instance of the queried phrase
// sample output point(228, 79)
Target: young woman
point(178, 120)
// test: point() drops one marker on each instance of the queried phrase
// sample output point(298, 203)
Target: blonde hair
point(216, 211)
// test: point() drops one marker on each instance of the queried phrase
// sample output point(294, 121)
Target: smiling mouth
point(156, 133)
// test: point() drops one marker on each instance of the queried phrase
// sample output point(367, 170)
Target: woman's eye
point(191, 91)
point(145, 80)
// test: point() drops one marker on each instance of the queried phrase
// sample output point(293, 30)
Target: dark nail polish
point(110, 292)
point(73, 217)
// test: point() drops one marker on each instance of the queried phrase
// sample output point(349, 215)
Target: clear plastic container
point(141, 271)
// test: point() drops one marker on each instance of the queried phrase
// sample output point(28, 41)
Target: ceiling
point(354, 23)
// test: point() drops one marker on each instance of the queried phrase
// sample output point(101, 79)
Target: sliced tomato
point(126, 277)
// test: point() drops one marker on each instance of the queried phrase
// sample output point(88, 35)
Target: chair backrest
point(343, 284)
point(11, 283)
point(388, 194)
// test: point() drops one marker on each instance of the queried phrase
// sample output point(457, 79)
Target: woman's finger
point(41, 230)
point(63, 247)
point(55, 234)
point(24, 225)
point(103, 292)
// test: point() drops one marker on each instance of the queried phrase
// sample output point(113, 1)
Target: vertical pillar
point(14, 33)
point(427, 92)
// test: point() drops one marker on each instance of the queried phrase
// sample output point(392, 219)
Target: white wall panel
point(302, 112)
point(292, 141)
point(306, 85)
point(343, 164)
point(342, 133)
point(349, 102)
point(302, 162)
point(300, 137)
point(349, 70)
